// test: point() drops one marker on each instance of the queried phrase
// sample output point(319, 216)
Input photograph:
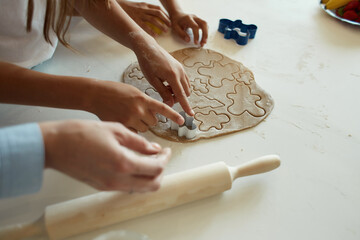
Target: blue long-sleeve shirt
point(21, 160)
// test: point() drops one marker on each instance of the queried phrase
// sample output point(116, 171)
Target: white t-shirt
point(26, 49)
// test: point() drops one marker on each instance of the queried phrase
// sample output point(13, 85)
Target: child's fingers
point(159, 13)
point(147, 29)
point(133, 130)
point(167, 111)
point(150, 118)
point(156, 22)
point(165, 92)
point(204, 28)
point(181, 94)
point(195, 30)
point(186, 84)
point(181, 32)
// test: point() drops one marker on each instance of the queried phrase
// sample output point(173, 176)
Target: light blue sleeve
point(21, 160)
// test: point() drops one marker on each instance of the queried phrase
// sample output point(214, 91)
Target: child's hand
point(165, 74)
point(144, 13)
point(180, 22)
point(157, 65)
point(123, 103)
point(99, 154)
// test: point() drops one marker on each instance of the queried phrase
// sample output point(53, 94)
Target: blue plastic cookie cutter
point(237, 30)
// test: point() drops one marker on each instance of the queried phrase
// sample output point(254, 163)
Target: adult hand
point(144, 14)
point(112, 101)
point(180, 22)
point(165, 74)
point(100, 154)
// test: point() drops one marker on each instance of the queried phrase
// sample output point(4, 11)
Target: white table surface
point(309, 63)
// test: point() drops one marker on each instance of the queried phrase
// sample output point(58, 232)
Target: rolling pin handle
point(259, 165)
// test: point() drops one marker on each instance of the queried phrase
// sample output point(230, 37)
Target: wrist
point(142, 42)
point(89, 94)
point(172, 7)
point(49, 130)
point(175, 14)
point(56, 137)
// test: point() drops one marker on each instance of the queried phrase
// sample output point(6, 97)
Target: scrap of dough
point(225, 96)
point(203, 101)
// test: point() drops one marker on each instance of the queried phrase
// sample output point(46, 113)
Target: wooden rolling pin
point(105, 208)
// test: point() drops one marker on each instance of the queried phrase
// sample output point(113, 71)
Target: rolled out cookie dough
point(225, 96)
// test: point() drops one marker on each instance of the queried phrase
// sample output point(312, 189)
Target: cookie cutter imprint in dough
point(225, 96)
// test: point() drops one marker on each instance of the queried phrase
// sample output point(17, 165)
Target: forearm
point(114, 22)
point(23, 86)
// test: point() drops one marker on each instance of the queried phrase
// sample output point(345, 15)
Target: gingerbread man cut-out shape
point(136, 73)
point(218, 73)
point(243, 101)
point(245, 77)
point(194, 56)
point(211, 120)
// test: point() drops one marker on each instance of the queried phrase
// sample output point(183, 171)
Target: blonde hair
point(59, 24)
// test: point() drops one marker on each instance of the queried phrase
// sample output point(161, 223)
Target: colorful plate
point(333, 14)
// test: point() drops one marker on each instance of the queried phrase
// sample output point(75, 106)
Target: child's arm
point(110, 101)
point(180, 21)
point(157, 65)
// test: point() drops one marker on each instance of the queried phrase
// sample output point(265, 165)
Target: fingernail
point(181, 120)
point(192, 112)
point(167, 150)
point(155, 146)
